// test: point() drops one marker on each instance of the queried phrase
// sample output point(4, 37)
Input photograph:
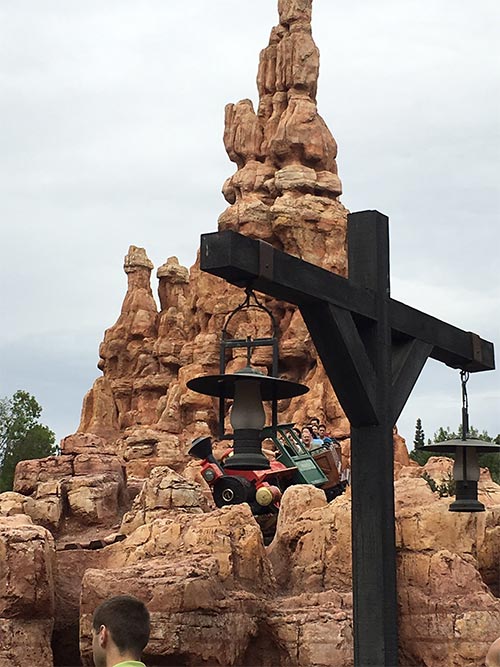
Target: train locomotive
point(262, 489)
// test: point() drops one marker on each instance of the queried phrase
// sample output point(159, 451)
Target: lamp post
point(373, 349)
point(466, 466)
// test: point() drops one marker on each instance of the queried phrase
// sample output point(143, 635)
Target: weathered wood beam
point(241, 260)
point(373, 349)
point(452, 346)
point(372, 461)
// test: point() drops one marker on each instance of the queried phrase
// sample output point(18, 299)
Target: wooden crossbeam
point(408, 359)
point(241, 260)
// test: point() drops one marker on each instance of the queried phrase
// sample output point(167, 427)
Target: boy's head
point(120, 625)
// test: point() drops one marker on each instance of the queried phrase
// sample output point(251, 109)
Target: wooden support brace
point(346, 362)
point(373, 349)
point(408, 360)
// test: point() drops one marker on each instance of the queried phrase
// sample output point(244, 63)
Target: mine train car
point(262, 489)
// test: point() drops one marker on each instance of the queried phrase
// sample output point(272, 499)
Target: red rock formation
point(285, 190)
point(286, 187)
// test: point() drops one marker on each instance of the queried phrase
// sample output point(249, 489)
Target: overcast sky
point(111, 118)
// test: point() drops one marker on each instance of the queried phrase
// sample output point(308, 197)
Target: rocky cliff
point(122, 509)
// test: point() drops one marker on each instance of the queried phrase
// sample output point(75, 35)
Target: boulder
point(191, 611)
point(26, 592)
point(164, 492)
point(30, 473)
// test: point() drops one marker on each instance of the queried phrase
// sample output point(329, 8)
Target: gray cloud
point(112, 118)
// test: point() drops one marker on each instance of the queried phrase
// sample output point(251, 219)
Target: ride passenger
point(306, 436)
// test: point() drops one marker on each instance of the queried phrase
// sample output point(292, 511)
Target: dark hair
point(127, 619)
point(315, 419)
point(307, 428)
point(322, 426)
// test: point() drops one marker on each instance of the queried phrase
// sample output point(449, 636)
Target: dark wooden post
point(372, 462)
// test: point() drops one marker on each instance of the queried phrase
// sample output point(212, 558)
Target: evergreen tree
point(419, 440)
point(417, 454)
point(21, 435)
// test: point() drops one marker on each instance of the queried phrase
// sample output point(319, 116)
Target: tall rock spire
point(286, 187)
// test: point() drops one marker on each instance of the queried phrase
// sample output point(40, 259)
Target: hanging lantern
point(466, 467)
point(247, 388)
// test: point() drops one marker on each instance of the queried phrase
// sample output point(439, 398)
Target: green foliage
point(492, 462)
point(430, 481)
point(417, 454)
point(443, 434)
point(445, 489)
point(421, 457)
point(21, 435)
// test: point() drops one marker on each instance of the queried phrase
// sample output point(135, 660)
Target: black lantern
point(248, 388)
point(466, 466)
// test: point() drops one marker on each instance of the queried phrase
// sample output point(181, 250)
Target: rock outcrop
point(217, 594)
point(27, 559)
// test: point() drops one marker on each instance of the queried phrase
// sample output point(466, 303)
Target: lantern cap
point(222, 385)
point(450, 446)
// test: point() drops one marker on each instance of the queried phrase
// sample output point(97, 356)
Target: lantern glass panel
point(247, 411)
point(466, 466)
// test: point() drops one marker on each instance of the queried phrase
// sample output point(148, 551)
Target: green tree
point(419, 440)
point(417, 454)
point(443, 434)
point(421, 457)
point(21, 435)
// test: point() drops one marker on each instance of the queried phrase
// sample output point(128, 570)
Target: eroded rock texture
point(217, 595)
point(128, 512)
point(286, 187)
point(27, 561)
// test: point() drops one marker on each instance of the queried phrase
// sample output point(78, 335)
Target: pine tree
point(416, 453)
point(419, 440)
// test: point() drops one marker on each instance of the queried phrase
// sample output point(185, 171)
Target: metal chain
point(464, 378)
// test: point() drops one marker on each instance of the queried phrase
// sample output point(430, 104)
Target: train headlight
point(264, 496)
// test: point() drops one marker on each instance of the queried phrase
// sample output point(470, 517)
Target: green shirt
point(130, 663)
